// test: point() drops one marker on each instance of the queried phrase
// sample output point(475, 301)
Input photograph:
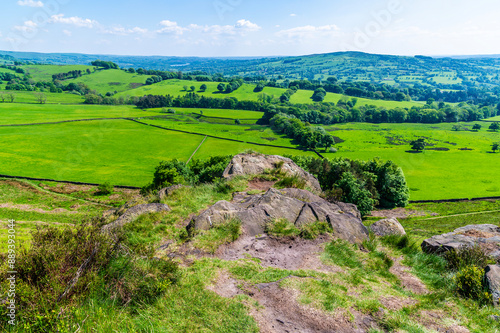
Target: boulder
point(492, 277)
point(165, 192)
point(134, 212)
point(255, 164)
point(486, 235)
point(300, 207)
point(387, 227)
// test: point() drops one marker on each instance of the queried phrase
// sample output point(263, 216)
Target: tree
point(221, 87)
point(495, 127)
point(418, 145)
point(203, 87)
point(193, 88)
point(2, 96)
point(237, 122)
point(495, 146)
point(456, 127)
point(41, 97)
point(476, 127)
point(185, 88)
point(319, 95)
point(11, 96)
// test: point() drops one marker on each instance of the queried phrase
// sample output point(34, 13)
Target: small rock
point(165, 192)
point(388, 227)
point(492, 275)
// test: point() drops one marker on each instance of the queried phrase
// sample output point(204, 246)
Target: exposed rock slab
point(387, 227)
point(254, 211)
point(136, 211)
point(492, 275)
point(254, 164)
point(486, 235)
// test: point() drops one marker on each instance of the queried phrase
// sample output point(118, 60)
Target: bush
point(105, 189)
point(293, 181)
point(219, 234)
point(469, 283)
point(467, 256)
point(281, 227)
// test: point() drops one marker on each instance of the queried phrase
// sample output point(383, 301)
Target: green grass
point(222, 113)
point(28, 113)
point(245, 92)
point(111, 80)
point(45, 72)
point(432, 174)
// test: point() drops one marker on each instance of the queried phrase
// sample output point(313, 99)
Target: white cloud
point(75, 20)
point(247, 25)
point(293, 15)
point(67, 33)
point(169, 27)
point(30, 3)
point(28, 26)
point(121, 31)
point(310, 31)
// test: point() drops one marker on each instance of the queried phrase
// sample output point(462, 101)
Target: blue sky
point(251, 27)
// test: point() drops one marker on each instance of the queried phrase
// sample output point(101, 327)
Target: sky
point(223, 28)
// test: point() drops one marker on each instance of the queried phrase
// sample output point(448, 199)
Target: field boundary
point(196, 150)
point(453, 200)
point(67, 182)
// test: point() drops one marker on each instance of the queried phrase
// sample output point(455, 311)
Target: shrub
point(469, 283)
point(467, 256)
point(293, 181)
point(220, 234)
point(105, 189)
point(281, 227)
point(313, 230)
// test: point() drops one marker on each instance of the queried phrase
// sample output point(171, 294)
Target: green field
point(433, 174)
point(45, 72)
point(52, 98)
point(245, 92)
point(18, 113)
point(111, 80)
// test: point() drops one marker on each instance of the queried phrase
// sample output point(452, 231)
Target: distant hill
point(449, 73)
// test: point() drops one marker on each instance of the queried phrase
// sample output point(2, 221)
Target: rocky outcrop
point(387, 227)
point(165, 192)
point(254, 164)
point(134, 212)
point(492, 277)
point(486, 235)
point(300, 207)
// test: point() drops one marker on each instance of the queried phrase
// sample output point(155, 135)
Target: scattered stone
point(486, 235)
point(255, 164)
point(254, 211)
point(134, 212)
point(492, 275)
point(387, 227)
point(167, 191)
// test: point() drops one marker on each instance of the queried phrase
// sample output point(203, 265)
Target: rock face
point(300, 207)
point(388, 227)
point(486, 235)
point(492, 275)
point(136, 211)
point(254, 164)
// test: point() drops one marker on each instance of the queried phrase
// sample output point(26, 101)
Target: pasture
point(111, 80)
point(456, 165)
point(45, 72)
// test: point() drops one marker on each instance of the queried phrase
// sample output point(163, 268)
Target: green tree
point(319, 95)
point(456, 127)
point(203, 87)
point(476, 127)
point(354, 192)
point(495, 146)
point(185, 88)
point(237, 122)
point(193, 88)
point(41, 97)
point(418, 145)
point(221, 87)
point(494, 126)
